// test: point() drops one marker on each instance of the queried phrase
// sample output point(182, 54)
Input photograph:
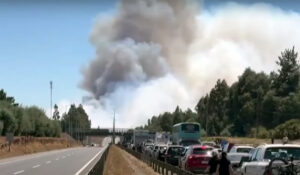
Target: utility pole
point(51, 87)
point(114, 129)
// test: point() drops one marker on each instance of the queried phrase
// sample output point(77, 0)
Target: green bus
point(185, 134)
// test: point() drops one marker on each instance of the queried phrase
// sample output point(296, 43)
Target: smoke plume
point(152, 55)
point(145, 40)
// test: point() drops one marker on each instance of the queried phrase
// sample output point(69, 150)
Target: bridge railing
point(98, 167)
point(157, 165)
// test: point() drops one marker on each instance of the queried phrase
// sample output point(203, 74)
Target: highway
point(60, 162)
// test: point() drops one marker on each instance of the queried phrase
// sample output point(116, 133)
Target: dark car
point(173, 154)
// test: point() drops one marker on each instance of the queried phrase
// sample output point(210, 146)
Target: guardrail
point(157, 165)
point(99, 166)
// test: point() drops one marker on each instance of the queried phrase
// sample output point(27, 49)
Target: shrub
point(290, 128)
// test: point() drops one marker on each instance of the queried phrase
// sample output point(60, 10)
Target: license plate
point(204, 162)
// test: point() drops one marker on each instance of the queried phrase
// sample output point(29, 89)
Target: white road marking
point(18, 172)
point(69, 155)
point(57, 159)
point(63, 157)
point(48, 162)
point(79, 171)
point(35, 166)
point(33, 156)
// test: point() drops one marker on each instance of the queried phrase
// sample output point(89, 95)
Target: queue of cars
point(192, 158)
point(245, 159)
point(184, 149)
point(262, 155)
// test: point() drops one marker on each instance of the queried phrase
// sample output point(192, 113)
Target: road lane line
point(81, 169)
point(57, 159)
point(48, 162)
point(19, 172)
point(35, 166)
point(63, 157)
point(33, 156)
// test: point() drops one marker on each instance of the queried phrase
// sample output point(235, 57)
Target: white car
point(263, 154)
point(237, 152)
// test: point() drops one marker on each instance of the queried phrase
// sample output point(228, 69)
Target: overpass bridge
point(84, 135)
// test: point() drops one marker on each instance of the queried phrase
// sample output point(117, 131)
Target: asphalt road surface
point(60, 162)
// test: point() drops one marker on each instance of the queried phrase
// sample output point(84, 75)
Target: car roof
point(280, 145)
point(170, 146)
point(201, 146)
point(243, 146)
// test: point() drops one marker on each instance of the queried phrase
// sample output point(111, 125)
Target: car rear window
point(201, 151)
point(243, 150)
point(282, 152)
point(175, 150)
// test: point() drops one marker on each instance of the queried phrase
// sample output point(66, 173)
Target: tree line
point(25, 121)
point(33, 121)
point(76, 122)
point(256, 105)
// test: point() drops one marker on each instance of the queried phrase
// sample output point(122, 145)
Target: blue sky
point(45, 41)
point(48, 40)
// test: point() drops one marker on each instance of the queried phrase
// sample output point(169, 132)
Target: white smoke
point(154, 55)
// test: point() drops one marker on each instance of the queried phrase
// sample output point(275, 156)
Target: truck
point(140, 137)
point(162, 138)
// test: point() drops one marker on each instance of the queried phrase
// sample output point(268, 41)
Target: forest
point(256, 105)
point(33, 121)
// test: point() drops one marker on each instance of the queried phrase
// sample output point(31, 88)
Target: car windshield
point(282, 152)
point(243, 150)
point(175, 150)
point(201, 151)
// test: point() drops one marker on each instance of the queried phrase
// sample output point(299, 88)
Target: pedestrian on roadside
point(213, 163)
point(224, 166)
point(285, 139)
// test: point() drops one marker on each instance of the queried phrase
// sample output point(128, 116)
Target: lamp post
point(51, 87)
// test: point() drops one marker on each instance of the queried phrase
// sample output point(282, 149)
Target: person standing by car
point(213, 163)
point(224, 166)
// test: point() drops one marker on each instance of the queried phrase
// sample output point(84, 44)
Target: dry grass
point(34, 145)
point(240, 140)
point(119, 162)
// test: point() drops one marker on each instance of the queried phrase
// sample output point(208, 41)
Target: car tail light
point(191, 157)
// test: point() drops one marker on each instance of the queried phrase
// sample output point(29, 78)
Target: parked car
point(173, 154)
point(237, 152)
point(262, 155)
point(196, 158)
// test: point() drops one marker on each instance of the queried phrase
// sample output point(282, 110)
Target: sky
point(42, 41)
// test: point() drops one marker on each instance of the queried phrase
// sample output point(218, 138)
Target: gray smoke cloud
point(152, 55)
point(145, 40)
